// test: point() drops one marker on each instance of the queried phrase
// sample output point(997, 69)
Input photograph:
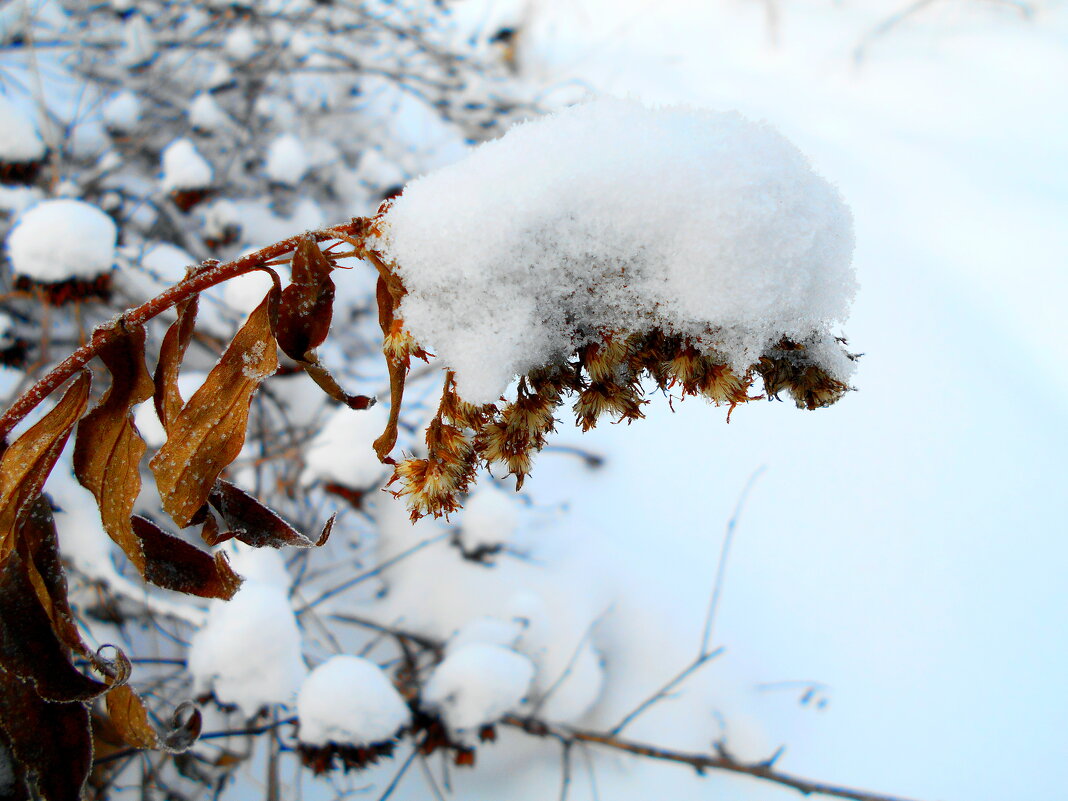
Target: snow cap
point(612, 216)
point(348, 700)
point(57, 240)
point(184, 167)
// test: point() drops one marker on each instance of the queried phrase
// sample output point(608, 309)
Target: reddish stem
point(208, 276)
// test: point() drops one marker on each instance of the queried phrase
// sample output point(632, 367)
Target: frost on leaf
point(688, 251)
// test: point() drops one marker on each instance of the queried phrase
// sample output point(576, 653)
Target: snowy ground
point(906, 546)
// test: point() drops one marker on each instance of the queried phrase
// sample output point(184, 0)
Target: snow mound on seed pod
point(612, 216)
point(477, 684)
point(349, 700)
point(57, 240)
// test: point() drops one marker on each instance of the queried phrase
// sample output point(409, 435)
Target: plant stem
point(207, 276)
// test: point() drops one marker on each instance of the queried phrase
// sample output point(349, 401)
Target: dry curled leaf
point(29, 647)
point(108, 449)
point(128, 719)
point(26, 463)
point(306, 305)
point(303, 319)
point(253, 523)
point(167, 398)
point(175, 564)
point(209, 431)
point(51, 743)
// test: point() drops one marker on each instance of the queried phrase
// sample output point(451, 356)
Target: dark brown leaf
point(306, 305)
point(27, 462)
point(167, 398)
point(51, 742)
point(29, 648)
point(39, 548)
point(255, 524)
point(207, 434)
point(108, 449)
point(174, 564)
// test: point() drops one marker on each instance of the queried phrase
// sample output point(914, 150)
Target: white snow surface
point(287, 160)
point(249, 650)
point(19, 139)
point(122, 112)
point(343, 450)
point(477, 684)
point(206, 115)
point(490, 517)
point(349, 700)
point(57, 240)
point(184, 167)
point(615, 216)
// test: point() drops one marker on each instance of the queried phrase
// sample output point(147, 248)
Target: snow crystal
point(490, 517)
point(19, 139)
point(122, 112)
point(611, 216)
point(249, 650)
point(287, 161)
point(206, 115)
point(184, 167)
point(477, 684)
point(61, 239)
point(343, 451)
point(349, 700)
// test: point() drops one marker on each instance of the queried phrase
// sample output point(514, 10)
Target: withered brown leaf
point(167, 398)
point(29, 648)
point(50, 742)
point(209, 431)
point(108, 449)
point(175, 564)
point(305, 310)
point(253, 523)
point(306, 306)
point(26, 463)
point(38, 546)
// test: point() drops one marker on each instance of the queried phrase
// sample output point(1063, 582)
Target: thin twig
point(327, 594)
point(700, 762)
point(721, 567)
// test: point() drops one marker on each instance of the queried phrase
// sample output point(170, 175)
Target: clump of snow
point(62, 239)
point(146, 420)
point(16, 199)
point(249, 650)
point(122, 112)
point(487, 631)
point(287, 160)
point(245, 292)
point(349, 700)
point(206, 115)
point(184, 167)
point(343, 450)
point(139, 42)
point(19, 140)
point(611, 216)
point(477, 684)
point(240, 44)
point(490, 517)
